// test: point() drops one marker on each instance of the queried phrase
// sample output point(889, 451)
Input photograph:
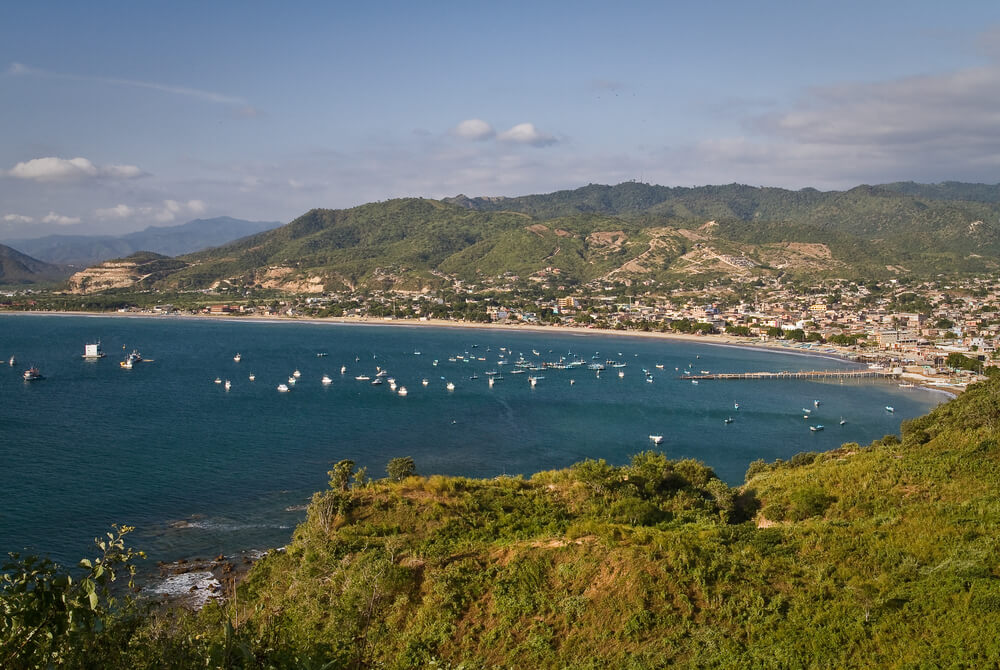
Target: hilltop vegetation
point(867, 556)
point(629, 231)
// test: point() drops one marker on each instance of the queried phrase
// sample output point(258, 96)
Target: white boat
point(572, 381)
point(491, 382)
point(252, 376)
point(218, 380)
point(450, 386)
point(12, 362)
point(649, 380)
point(237, 357)
point(424, 382)
point(807, 411)
point(322, 354)
point(392, 386)
point(736, 405)
point(659, 366)
point(402, 390)
point(283, 388)
point(889, 408)
point(32, 374)
point(694, 381)
point(842, 421)
point(656, 439)
point(533, 381)
point(326, 380)
point(377, 382)
point(815, 403)
point(343, 369)
point(296, 374)
point(818, 427)
point(362, 378)
point(131, 360)
point(729, 419)
point(90, 351)
point(291, 380)
point(228, 385)
point(621, 374)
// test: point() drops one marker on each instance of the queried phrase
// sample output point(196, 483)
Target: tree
point(340, 476)
point(400, 468)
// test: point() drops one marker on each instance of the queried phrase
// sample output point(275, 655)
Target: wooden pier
point(803, 374)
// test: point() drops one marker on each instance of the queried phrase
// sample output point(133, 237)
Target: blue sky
point(119, 115)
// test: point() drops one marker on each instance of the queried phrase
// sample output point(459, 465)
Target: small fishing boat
point(326, 380)
point(292, 380)
point(889, 408)
point(649, 380)
point(694, 381)
point(659, 366)
point(131, 360)
point(491, 382)
point(322, 354)
point(218, 380)
point(450, 386)
point(252, 377)
point(228, 385)
point(283, 388)
point(621, 374)
point(377, 381)
point(842, 421)
point(807, 411)
point(237, 357)
point(736, 406)
point(12, 362)
point(402, 391)
point(818, 427)
point(424, 382)
point(32, 374)
point(815, 403)
point(296, 374)
point(362, 378)
point(656, 439)
point(729, 419)
point(343, 369)
point(533, 381)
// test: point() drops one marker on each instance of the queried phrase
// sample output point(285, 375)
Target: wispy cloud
point(18, 218)
point(54, 169)
point(526, 133)
point(59, 219)
point(165, 212)
point(474, 129)
point(21, 70)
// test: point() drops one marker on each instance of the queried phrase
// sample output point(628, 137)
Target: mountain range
point(18, 268)
point(598, 233)
point(83, 250)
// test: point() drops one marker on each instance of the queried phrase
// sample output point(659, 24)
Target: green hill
point(867, 556)
point(17, 268)
point(630, 230)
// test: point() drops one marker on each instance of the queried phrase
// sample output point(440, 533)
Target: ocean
point(201, 471)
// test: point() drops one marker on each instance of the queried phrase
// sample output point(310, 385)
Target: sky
point(115, 116)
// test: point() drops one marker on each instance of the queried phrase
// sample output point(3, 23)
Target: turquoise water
point(202, 471)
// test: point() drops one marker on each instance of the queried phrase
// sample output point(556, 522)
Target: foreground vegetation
point(881, 555)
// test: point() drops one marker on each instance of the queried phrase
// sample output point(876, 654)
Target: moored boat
point(131, 360)
point(237, 357)
point(283, 388)
point(656, 439)
point(90, 351)
point(228, 385)
point(32, 374)
point(818, 427)
point(326, 380)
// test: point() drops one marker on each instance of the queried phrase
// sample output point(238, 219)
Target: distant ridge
point(167, 240)
point(19, 268)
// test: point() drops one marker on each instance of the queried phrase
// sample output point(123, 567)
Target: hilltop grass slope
point(866, 556)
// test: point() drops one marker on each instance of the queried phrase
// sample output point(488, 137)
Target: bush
point(400, 468)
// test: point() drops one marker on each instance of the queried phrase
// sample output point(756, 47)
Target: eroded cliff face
point(107, 275)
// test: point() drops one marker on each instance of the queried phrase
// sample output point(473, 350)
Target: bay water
point(201, 471)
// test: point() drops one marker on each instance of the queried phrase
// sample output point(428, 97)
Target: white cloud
point(474, 129)
point(59, 219)
point(51, 168)
point(116, 212)
point(526, 133)
point(18, 218)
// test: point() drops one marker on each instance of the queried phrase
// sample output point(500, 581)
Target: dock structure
point(800, 374)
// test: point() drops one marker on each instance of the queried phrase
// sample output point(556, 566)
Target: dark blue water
point(201, 471)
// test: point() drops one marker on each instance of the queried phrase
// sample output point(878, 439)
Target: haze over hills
point(167, 240)
point(18, 268)
point(628, 231)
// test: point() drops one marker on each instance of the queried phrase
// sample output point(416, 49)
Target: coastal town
point(943, 333)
